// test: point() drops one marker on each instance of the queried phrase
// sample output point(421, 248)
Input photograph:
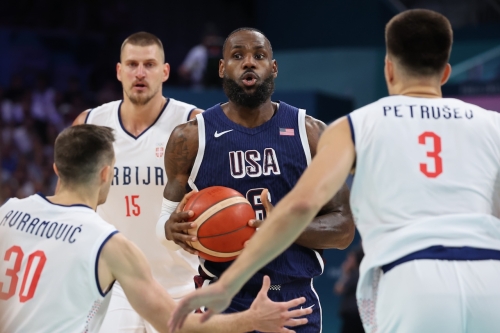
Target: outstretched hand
point(268, 316)
point(274, 316)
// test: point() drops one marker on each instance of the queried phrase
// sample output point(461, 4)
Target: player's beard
point(141, 99)
point(239, 96)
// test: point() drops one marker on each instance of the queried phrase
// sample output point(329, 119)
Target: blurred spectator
point(346, 288)
point(200, 67)
point(11, 106)
point(43, 108)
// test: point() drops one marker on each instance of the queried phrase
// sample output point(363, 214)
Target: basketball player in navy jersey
point(250, 144)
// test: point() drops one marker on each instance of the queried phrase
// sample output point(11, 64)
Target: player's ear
point(274, 71)
point(118, 72)
point(55, 169)
point(388, 70)
point(446, 74)
point(166, 71)
point(221, 68)
point(105, 174)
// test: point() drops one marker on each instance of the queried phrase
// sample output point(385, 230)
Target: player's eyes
point(237, 56)
point(259, 56)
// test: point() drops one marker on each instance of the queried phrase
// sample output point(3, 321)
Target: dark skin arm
point(180, 154)
point(333, 227)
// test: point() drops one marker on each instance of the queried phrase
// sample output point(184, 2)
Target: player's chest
point(140, 162)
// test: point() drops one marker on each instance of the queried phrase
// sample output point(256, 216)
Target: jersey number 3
point(31, 275)
point(434, 153)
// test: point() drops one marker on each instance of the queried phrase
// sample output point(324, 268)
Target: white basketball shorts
point(440, 296)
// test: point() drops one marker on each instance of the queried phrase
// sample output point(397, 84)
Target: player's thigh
point(121, 317)
point(419, 296)
point(481, 284)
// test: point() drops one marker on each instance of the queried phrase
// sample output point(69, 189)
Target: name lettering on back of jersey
point(426, 112)
point(124, 175)
point(35, 226)
point(251, 163)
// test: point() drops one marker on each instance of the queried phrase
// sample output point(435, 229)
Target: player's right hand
point(176, 228)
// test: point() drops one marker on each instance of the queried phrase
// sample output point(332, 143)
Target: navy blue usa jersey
point(273, 155)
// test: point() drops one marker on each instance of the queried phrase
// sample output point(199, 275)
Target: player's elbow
point(346, 235)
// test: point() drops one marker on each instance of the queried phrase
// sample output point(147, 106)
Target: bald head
point(257, 33)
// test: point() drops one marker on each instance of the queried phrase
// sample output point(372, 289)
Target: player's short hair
point(246, 29)
point(420, 40)
point(143, 38)
point(81, 151)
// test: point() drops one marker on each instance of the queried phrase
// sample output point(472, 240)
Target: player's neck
point(249, 117)
point(137, 118)
point(417, 87)
point(75, 195)
point(418, 91)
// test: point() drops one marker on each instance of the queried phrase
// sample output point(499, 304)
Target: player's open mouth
point(249, 79)
point(140, 86)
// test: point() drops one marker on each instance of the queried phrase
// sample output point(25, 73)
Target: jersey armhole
point(303, 134)
point(351, 126)
point(96, 270)
point(87, 117)
point(189, 114)
point(200, 153)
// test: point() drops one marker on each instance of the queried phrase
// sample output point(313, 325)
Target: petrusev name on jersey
point(426, 112)
point(47, 229)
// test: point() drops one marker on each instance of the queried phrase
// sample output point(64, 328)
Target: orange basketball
point(221, 215)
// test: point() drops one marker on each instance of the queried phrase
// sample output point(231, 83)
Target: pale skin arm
point(121, 260)
point(321, 180)
point(81, 118)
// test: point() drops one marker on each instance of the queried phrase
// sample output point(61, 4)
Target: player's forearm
point(334, 230)
point(240, 322)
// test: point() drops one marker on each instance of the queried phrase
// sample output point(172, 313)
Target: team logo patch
point(159, 150)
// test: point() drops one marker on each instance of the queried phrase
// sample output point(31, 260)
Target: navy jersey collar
point(273, 121)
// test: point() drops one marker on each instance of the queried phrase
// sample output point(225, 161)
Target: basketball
point(222, 216)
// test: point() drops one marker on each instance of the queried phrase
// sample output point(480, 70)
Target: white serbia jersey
point(48, 265)
point(134, 201)
point(427, 174)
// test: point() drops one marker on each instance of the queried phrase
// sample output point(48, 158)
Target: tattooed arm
point(180, 154)
point(333, 227)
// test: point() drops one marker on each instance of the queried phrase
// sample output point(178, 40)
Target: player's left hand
point(268, 206)
point(214, 296)
point(270, 316)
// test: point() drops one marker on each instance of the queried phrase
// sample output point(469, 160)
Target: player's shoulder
point(174, 103)
point(89, 116)
point(106, 107)
point(10, 203)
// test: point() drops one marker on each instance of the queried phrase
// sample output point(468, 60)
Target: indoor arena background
point(58, 58)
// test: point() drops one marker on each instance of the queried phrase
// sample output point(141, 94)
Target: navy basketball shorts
point(284, 293)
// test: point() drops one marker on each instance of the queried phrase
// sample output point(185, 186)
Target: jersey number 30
point(434, 154)
point(36, 262)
